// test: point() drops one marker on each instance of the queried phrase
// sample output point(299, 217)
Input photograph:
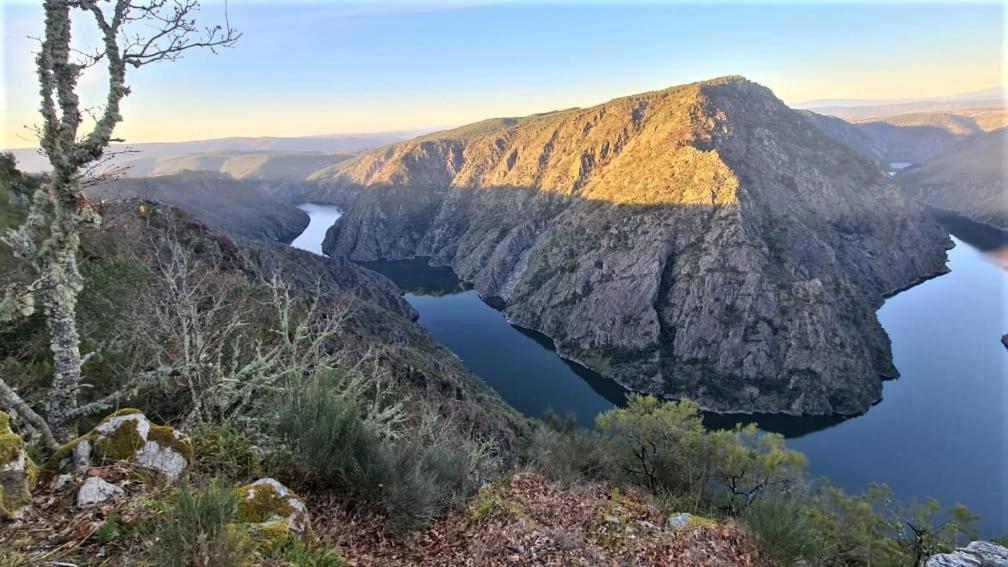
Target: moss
point(11, 444)
point(121, 444)
point(260, 502)
point(164, 435)
point(64, 452)
point(700, 522)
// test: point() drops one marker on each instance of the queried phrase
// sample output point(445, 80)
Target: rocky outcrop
point(220, 201)
point(703, 241)
point(976, 554)
point(128, 436)
point(18, 472)
point(969, 181)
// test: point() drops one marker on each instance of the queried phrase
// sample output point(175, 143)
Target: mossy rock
point(266, 501)
point(127, 435)
point(18, 473)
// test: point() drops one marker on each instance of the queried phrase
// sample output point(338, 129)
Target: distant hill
point(269, 166)
point(912, 137)
point(969, 180)
point(220, 201)
point(862, 109)
point(703, 241)
point(144, 154)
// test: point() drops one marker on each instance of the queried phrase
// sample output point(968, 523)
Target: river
point(940, 430)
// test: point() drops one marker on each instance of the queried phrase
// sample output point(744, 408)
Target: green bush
point(567, 454)
point(197, 530)
point(665, 447)
point(225, 452)
point(331, 446)
point(784, 530)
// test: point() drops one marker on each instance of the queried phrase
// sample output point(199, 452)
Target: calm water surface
point(322, 217)
point(940, 430)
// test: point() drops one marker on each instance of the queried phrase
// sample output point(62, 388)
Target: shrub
point(197, 530)
point(784, 530)
point(565, 453)
point(664, 446)
point(332, 446)
point(225, 452)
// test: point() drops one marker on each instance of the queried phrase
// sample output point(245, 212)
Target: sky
point(317, 68)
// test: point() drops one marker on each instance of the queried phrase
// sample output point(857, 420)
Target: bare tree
point(133, 33)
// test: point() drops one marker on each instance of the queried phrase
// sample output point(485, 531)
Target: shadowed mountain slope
point(969, 180)
point(704, 241)
point(220, 201)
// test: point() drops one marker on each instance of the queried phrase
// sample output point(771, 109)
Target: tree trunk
point(65, 342)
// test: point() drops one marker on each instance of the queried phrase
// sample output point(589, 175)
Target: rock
point(266, 501)
point(18, 473)
point(679, 520)
point(94, 490)
point(129, 436)
point(976, 554)
point(1004, 340)
point(702, 242)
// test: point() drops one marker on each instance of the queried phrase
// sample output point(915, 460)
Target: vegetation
point(748, 476)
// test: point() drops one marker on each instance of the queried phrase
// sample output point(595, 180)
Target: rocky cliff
point(703, 241)
point(970, 180)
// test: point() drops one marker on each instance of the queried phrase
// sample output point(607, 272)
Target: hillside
point(220, 201)
point(911, 137)
point(704, 241)
point(969, 180)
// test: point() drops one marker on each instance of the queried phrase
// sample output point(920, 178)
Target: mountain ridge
point(677, 241)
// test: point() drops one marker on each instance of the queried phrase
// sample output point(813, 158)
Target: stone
point(18, 473)
point(976, 554)
point(267, 501)
point(95, 490)
point(127, 435)
point(679, 520)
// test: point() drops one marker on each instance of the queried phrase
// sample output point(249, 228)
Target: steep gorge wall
point(704, 241)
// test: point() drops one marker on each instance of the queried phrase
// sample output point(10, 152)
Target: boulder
point(267, 503)
point(128, 436)
point(976, 554)
point(18, 472)
point(95, 491)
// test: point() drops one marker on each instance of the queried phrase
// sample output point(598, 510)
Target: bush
point(332, 446)
point(784, 530)
point(664, 446)
point(197, 530)
point(565, 453)
point(225, 452)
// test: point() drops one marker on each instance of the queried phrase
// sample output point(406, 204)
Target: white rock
point(95, 490)
point(151, 454)
point(679, 520)
point(976, 554)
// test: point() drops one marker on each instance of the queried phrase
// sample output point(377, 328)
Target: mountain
point(969, 180)
point(703, 241)
point(913, 137)
point(220, 201)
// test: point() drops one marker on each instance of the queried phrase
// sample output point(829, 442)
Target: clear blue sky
point(317, 68)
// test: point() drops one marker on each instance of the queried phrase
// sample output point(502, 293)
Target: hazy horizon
point(316, 69)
